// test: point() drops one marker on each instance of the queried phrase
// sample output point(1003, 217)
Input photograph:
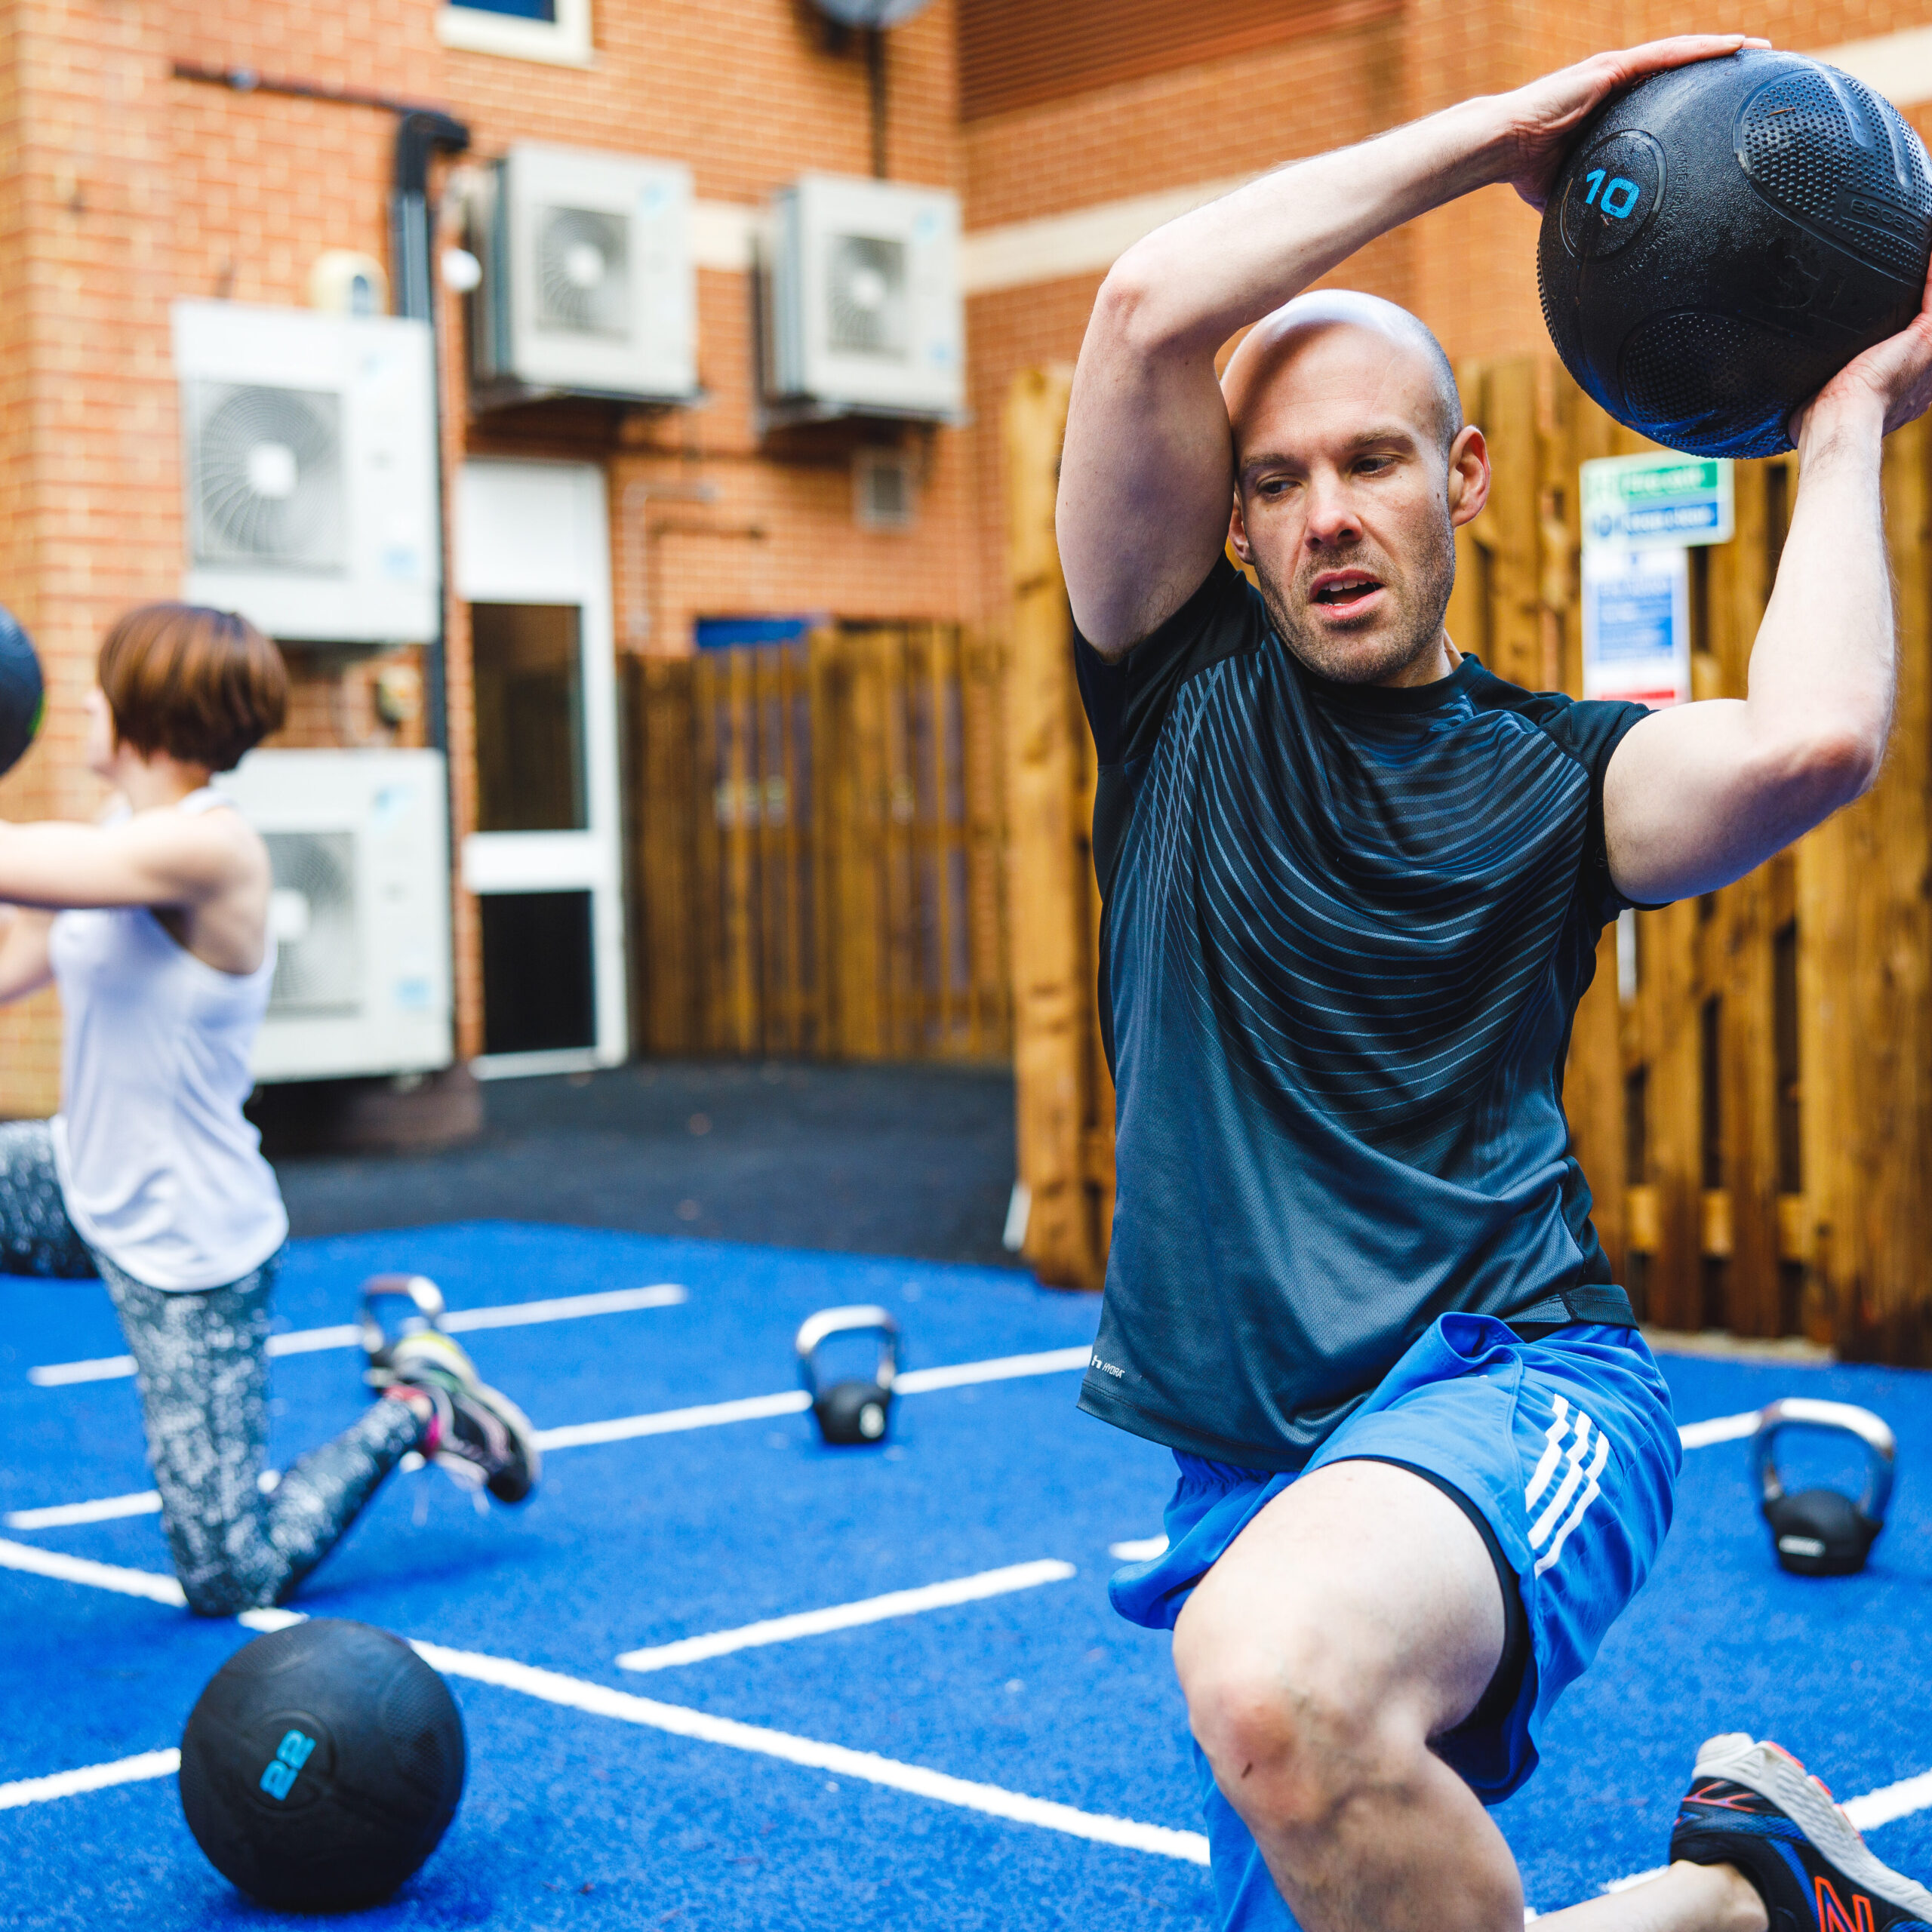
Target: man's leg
point(1357, 1617)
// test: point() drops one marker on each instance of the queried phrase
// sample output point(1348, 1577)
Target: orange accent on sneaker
point(1832, 1916)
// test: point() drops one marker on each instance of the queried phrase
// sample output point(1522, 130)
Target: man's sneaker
point(478, 1434)
point(1755, 1806)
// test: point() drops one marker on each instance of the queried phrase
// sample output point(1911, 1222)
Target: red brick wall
point(121, 189)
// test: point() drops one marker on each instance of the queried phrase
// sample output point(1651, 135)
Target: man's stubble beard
point(1422, 600)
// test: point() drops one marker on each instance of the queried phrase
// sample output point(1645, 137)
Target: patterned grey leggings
point(201, 1363)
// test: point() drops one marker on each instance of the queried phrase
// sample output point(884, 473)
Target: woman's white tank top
point(161, 1172)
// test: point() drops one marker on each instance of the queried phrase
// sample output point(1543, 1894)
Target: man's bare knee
point(1294, 1728)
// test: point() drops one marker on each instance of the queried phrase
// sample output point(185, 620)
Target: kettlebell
point(419, 1295)
point(1823, 1532)
point(856, 1412)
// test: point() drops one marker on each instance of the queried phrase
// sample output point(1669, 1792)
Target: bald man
point(1354, 884)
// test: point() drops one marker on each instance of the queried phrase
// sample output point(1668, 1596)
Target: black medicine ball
point(1724, 237)
point(321, 1765)
point(22, 696)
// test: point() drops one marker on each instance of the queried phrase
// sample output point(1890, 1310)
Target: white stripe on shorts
point(1590, 1492)
point(1582, 1472)
point(1552, 1448)
point(1573, 1477)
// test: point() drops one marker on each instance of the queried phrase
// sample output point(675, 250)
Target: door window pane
point(529, 672)
point(521, 10)
point(539, 988)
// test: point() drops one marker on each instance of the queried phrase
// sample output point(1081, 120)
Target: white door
point(533, 561)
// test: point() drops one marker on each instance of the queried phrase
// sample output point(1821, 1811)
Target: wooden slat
point(1593, 1076)
point(1053, 1000)
point(1739, 582)
point(1468, 619)
point(942, 683)
point(798, 819)
point(709, 851)
point(1866, 1051)
point(1513, 518)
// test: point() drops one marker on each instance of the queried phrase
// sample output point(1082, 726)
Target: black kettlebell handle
point(864, 1319)
point(424, 1297)
point(1840, 1418)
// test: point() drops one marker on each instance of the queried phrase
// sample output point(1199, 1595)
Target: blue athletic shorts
point(1566, 1447)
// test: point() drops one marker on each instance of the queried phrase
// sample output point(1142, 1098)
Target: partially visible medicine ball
point(23, 695)
point(1724, 237)
point(321, 1765)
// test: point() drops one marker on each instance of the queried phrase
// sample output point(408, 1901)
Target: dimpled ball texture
point(1723, 238)
point(22, 696)
point(321, 1765)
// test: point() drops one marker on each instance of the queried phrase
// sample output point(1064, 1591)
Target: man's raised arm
point(1697, 796)
point(1147, 476)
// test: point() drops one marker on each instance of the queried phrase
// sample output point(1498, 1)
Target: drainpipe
point(421, 132)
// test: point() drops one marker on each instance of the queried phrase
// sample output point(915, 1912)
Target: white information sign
point(1637, 625)
point(1630, 503)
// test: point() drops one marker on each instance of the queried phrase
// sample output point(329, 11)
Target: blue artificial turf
point(573, 1820)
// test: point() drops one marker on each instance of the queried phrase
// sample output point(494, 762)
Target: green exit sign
point(1631, 502)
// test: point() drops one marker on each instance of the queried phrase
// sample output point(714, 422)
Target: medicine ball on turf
point(1724, 237)
point(321, 1765)
point(22, 696)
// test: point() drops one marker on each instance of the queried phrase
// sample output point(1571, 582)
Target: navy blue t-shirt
point(1346, 928)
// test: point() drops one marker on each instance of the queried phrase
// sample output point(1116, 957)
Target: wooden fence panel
point(819, 848)
point(1064, 1100)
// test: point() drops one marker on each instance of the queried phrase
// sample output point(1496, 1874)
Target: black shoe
point(479, 1436)
point(1753, 1805)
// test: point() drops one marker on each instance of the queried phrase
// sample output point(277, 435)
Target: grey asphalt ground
point(916, 1161)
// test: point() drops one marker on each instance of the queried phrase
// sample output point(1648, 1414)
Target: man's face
point(1345, 502)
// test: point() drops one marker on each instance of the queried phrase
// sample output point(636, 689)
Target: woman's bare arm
point(155, 858)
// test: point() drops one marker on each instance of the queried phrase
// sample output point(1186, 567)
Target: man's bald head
point(1273, 343)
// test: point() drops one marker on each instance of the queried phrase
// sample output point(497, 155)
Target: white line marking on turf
point(599, 1700)
point(345, 1334)
point(793, 1402)
point(1720, 1428)
point(64, 1569)
point(619, 1429)
point(564, 1308)
point(1890, 1802)
point(90, 1777)
point(670, 1422)
point(1138, 1549)
point(994, 1801)
point(103, 1509)
point(850, 1616)
point(753, 1408)
point(1002, 1368)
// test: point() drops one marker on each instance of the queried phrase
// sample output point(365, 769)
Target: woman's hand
point(1544, 116)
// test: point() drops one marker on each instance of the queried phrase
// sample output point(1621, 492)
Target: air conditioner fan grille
point(583, 280)
point(266, 476)
point(867, 296)
point(318, 957)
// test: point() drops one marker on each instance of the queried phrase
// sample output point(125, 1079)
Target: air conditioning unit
point(589, 288)
point(862, 314)
point(360, 909)
point(310, 471)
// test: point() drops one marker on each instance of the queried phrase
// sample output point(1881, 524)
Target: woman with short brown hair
point(153, 924)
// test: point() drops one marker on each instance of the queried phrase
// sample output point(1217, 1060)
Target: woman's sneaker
point(478, 1434)
point(1753, 1805)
